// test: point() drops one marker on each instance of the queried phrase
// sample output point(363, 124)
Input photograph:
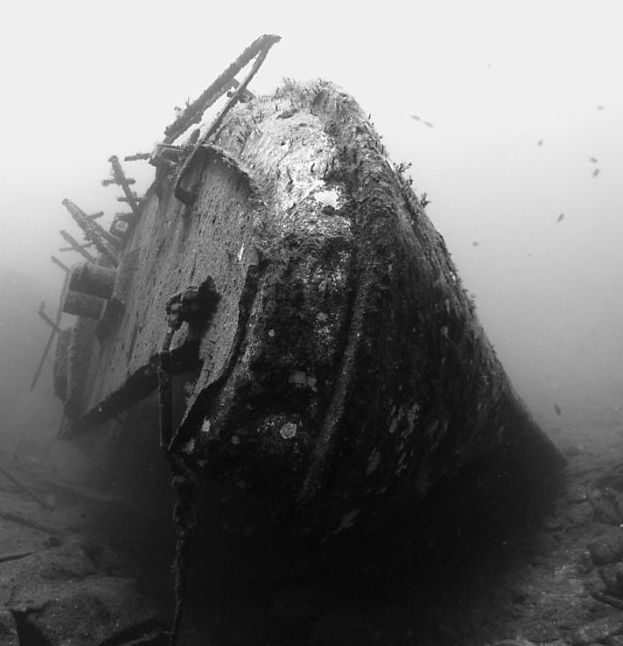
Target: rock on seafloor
point(598, 630)
point(61, 593)
point(608, 547)
point(8, 629)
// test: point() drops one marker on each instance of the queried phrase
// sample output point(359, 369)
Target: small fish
point(539, 142)
point(557, 409)
point(596, 172)
point(415, 117)
point(593, 160)
point(601, 107)
point(561, 217)
point(475, 243)
point(428, 124)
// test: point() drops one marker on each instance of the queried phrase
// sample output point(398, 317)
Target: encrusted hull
point(343, 374)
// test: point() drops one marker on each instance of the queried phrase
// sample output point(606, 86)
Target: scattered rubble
point(59, 584)
point(557, 582)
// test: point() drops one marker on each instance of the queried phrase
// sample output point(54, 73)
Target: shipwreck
point(281, 290)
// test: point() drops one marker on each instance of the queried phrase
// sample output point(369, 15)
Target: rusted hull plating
point(344, 372)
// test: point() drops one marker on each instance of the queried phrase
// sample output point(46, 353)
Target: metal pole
point(48, 345)
point(62, 265)
point(48, 320)
point(193, 112)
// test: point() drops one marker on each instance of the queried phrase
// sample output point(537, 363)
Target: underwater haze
point(509, 117)
point(511, 114)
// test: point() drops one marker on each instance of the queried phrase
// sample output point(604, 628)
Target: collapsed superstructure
point(323, 355)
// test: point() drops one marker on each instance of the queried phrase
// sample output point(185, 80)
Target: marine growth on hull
point(282, 288)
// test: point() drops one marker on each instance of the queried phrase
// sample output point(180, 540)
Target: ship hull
point(343, 375)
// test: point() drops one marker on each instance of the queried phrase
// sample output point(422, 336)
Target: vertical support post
point(48, 345)
point(47, 319)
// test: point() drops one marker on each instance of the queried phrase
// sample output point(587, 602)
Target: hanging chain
point(184, 307)
point(184, 510)
point(186, 521)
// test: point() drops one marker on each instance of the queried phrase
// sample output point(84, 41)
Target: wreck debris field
point(312, 362)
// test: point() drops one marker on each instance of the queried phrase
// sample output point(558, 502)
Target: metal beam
point(120, 178)
point(76, 246)
point(47, 319)
point(62, 265)
point(105, 243)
